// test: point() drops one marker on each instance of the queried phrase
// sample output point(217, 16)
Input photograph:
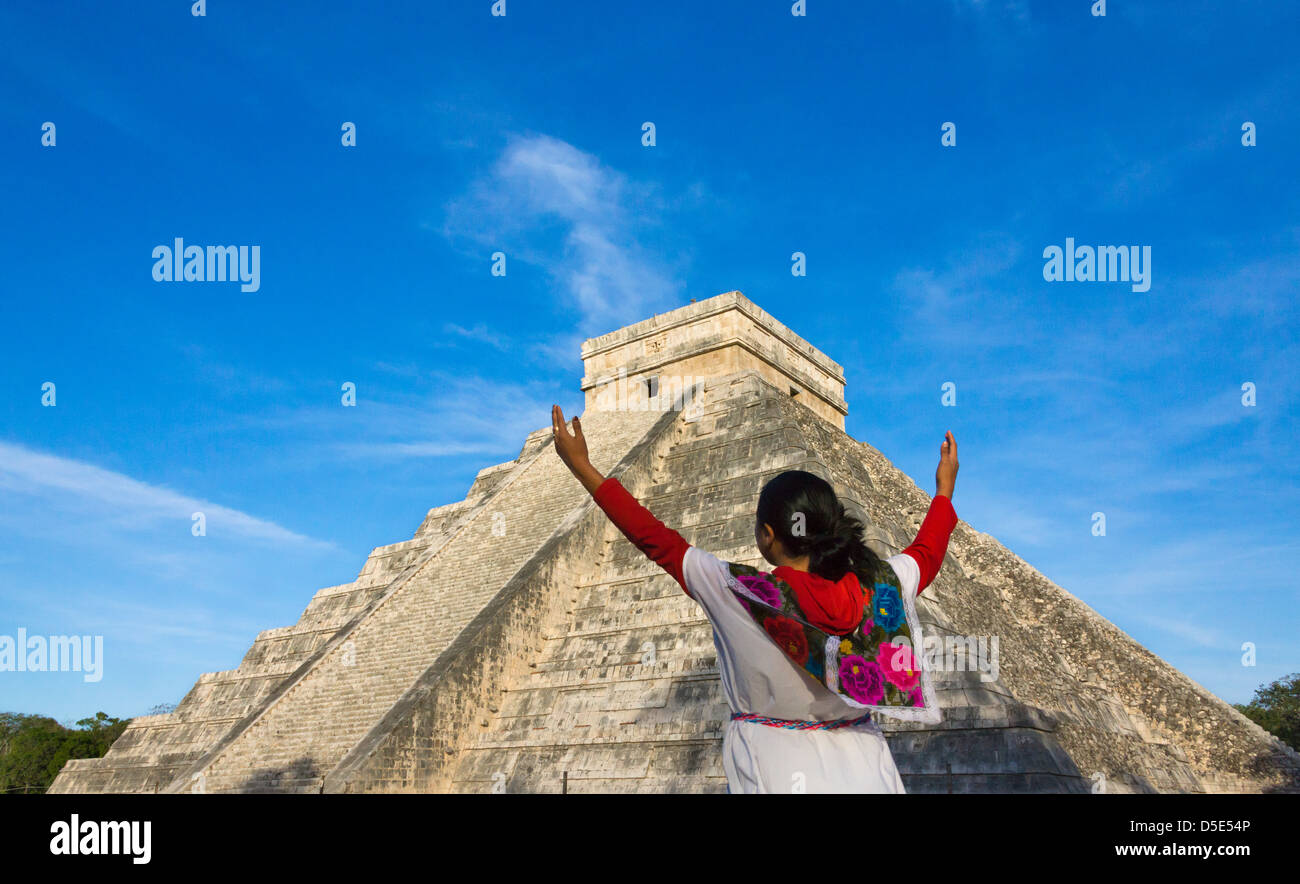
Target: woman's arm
point(661, 544)
point(931, 543)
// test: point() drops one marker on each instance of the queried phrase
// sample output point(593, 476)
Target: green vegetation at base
point(1276, 708)
point(33, 748)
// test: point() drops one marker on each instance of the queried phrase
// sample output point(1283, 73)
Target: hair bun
point(840, 529)
point(834, 542)
point(831, 542)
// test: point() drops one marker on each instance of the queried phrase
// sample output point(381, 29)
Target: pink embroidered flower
point(862, 679)
point(789, 635)
point(763, 588)
point(897, 663)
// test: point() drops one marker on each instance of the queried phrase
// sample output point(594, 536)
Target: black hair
point(831, 538)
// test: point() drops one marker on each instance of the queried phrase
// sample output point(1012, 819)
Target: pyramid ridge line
point(882, 469)
point(180, 783)
point(1134, 645)
point(456, 652)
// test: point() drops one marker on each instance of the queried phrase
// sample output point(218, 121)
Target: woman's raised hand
point(945, 476)
point(572, 449)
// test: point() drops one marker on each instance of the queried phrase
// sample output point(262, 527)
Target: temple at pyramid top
point(718, 336)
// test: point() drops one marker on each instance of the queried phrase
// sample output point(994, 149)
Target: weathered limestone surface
point(723, 335)
point(519, 643)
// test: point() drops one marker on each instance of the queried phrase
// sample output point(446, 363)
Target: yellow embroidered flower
point(846, 646)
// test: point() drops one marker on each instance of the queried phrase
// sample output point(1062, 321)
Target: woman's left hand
point(945, 476)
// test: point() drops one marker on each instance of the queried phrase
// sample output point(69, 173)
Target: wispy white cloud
point(962, 302)
point(542, 186)
point(445, 415)
point(42, 57)
point(1262, 290)
point(479, 334)
point(67, 484)
point(452, 421)
point(1189, 630)
point(1012, 523)
point(147, 625)
point(1134, 181)
point(224, 376)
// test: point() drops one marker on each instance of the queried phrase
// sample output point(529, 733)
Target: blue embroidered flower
point(887, 607)
point(814, 664)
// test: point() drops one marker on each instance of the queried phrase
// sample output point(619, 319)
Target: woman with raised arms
point(810, 649)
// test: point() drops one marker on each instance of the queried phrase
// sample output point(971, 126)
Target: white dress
point(757, 677)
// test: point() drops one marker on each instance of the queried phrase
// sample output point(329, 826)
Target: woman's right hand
point(945, 476)
point(572, 449)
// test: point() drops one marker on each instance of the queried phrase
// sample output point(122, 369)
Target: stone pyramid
point(518, 643)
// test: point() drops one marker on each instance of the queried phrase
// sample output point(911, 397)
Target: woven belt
point(797, 724)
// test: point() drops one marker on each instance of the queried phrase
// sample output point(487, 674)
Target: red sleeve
point(663, 545)
point(931, 542)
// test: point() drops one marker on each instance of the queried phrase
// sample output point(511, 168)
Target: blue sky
point(522, 134)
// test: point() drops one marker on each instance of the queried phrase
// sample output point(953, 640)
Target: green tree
point(33, 748)
point(1276, 708)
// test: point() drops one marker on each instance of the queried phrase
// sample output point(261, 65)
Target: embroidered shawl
point(871, 668)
